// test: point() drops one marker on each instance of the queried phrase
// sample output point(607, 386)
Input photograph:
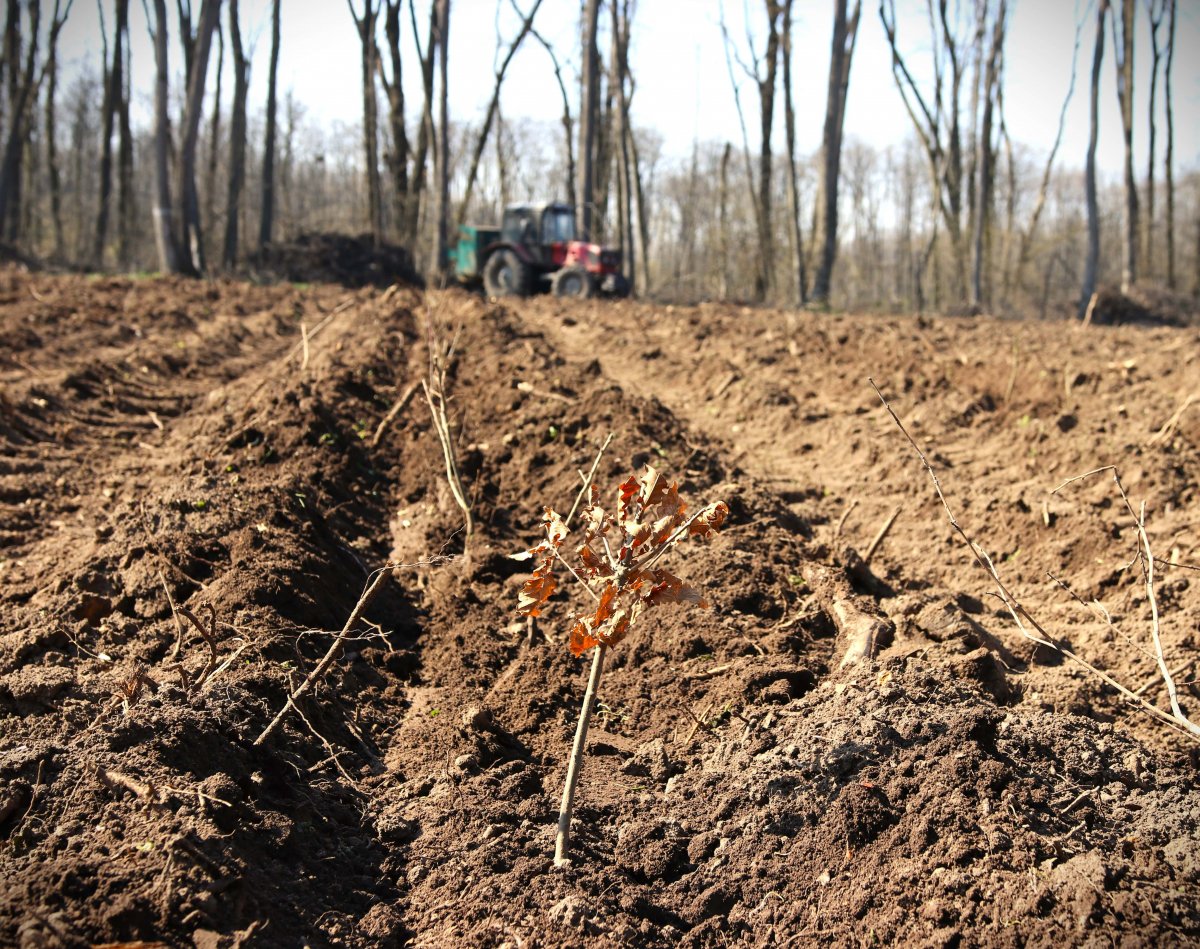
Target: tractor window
point(520, 226)
point(558, 224)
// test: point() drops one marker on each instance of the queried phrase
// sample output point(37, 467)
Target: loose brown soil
point(210, 445)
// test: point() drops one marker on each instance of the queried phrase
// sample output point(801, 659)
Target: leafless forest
point(957, 216)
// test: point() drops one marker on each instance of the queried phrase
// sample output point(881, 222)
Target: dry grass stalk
point(331, 654)
point(434, 387)
point(1029, 627)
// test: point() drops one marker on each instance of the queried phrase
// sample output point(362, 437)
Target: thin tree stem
point(568, 799)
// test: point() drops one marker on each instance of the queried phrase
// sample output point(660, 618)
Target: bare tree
point(365, 25)
point(936, 119)
point(1169, 158)
point(588, 117)
point(237, 137)
point(845, 34)
point(1157, 10)
point(22, 83)
point(762, 71)
point(1092, 261)
point(567, 123)
point(789, 114)
point(54, 178)
point(1123, 49)
point(113, 89)
point(1025, 246)
point(440, 262)
point(396, 157)
point(493, 105)
point(164, 224)
point(214, 132)
point(266, 221)
point(192, 247)
point(425, 131)
point(985, 176)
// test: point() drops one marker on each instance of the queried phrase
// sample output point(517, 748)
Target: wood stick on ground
point(396, 409)
point(304, 345)
point(881, 534)
point(442, 427)
point(698, 721)
point(837, 531)
point(1148, 567)
point(563, 839)
point(327, 660)
point(1029, 627)
point(1169, 425)
point(587, 481)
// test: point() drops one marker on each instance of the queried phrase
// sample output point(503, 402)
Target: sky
point(683, 85)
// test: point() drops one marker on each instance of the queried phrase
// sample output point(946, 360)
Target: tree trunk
point(723, 220)
point(54, 178)
point(214, 132)
point(108, 113)
point(1091, 263)
point(845, 34)
point(1027, 236)
point(1169, 158)
point(567, 124)
point(126, 192)
point(1123, 45)
point(424, 132)
point(588, 116)
point(1157, 8)
point(440, 262)
point(397, 157)
point(789, 115)
point(21, 93)
point(164, 224)
point(266, 221)
point(643, 216)
point(192, 257)
point(237, 137)
point(985, 178)
point(620, 73)
point(365, 25)
point(766, 97)
point(490, 115)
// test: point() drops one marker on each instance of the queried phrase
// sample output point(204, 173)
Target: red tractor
point(535, 250)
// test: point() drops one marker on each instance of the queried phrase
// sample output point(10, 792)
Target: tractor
point(535, 250)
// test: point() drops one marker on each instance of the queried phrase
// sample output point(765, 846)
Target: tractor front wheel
point(506, 275)
point(573, 282)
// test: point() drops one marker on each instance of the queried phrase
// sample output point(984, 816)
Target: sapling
point(616, 556)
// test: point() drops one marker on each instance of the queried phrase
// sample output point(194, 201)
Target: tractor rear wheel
point(573, 282)
point(506, 275)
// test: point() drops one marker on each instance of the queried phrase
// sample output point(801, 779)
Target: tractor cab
point(537, 227)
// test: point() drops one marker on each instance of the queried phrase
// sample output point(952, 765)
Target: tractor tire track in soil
point(210, 445)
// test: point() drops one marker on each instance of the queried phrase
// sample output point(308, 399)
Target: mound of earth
point(200, 479)
point(334, 258)
point(1146, 305)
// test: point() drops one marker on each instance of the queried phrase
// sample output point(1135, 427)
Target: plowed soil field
point(199, 480)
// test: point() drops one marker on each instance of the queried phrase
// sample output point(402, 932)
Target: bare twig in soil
point(1168, 427)
point(587, 481)
point(1029, 627)
point(304, 346)
point(442, 428)
point(698, 721)
point(1148, 568)
point(396, 409)
point(563, 839)
point(381, 577)
point(837, 531)
point(881, 534)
